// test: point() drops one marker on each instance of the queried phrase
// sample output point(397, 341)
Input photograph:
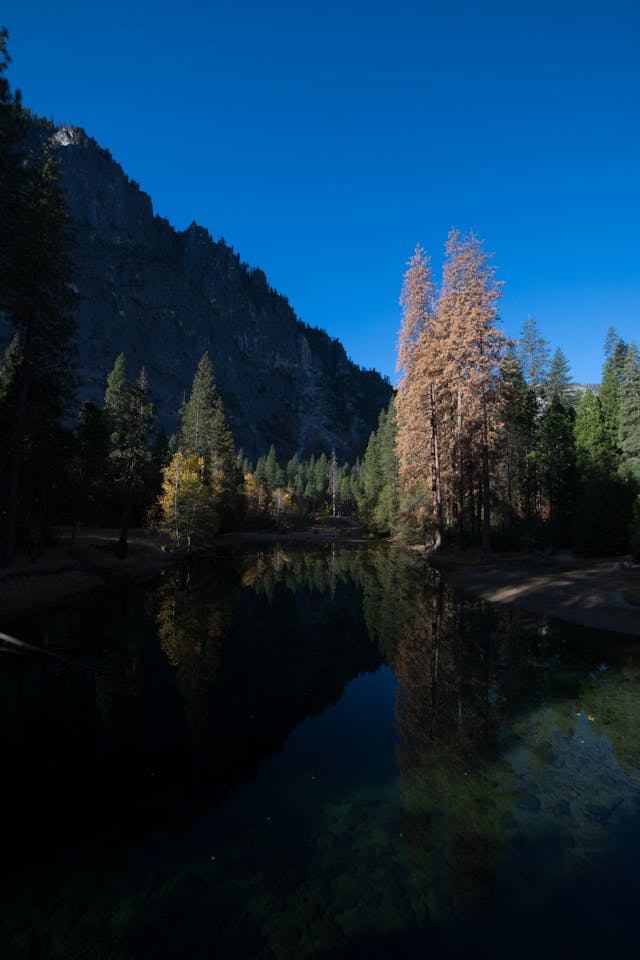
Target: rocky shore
point(600, 594)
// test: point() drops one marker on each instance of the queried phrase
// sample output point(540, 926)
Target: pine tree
point(533, 353)
point(378, 483)
point(609, 393)
point(603, 502)
point(196, 434)
point(590, 437)
point(92, 452)
point(333, 481)
point(272, 472)
point(13, 172)
point(556, 464)
point(116, 401)
point(473, 348)
point(560, 382)
point(629, 414)
point(517, 443)
point(205, 432)
point(130, 416)
point(225, 477)
point(36, 296)
point(9, 381)
point(292, 469)
point(422, 395)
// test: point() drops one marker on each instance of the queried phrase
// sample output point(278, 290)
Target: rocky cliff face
point(164, 297)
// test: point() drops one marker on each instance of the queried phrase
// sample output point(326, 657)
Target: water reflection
point(233, 772)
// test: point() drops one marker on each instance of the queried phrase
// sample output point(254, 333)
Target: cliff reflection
point(453, 799)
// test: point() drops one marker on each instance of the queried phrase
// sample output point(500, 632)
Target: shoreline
point(59, 577)
point(600, 594)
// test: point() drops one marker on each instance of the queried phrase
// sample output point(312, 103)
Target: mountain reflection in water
point(316, 753)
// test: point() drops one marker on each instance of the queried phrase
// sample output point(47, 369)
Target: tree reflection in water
point(238, 709)
point(193, 612)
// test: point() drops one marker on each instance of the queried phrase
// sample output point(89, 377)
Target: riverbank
point(600, 594)
point(60, 575)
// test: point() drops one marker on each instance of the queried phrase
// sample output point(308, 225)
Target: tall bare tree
point(450, 352)
point(420, 392)
point(473, 351)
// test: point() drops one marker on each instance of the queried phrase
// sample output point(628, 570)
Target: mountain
point(163, 297)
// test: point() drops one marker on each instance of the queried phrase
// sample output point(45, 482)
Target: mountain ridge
point(163, 297)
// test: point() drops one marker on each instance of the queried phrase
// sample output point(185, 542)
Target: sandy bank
point(59, 576)
point(600, 594)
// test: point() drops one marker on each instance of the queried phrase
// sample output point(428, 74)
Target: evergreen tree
point(36, 297)
point(9, 382)
point(609, 393)
point(92, 453)
point(333, 482)
point(13, 172)
point(560, 382)
point(634, 530)
point(197, 430)
point(423, 397)
point(272, 471)
point(629, 414)
point(556, 464)
point(591, 517)
point(204, 431)
point(516, 466)
point(378, 499)
point(225, 477)
point(533, 353)
point(473, 353)
point(603, 501)
point(116, 401)
point(590, 437)
point(130, 416)
point(292, 469)
point(321, 479)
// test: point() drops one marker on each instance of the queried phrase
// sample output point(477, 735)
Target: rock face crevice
point(163, 297)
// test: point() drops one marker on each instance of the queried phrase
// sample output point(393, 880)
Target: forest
point(488, 442)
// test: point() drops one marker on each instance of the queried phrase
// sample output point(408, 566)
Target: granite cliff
point(163, 297)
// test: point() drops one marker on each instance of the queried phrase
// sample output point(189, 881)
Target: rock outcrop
point(163, 297)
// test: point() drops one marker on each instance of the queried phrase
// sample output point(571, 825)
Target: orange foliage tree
point(451, 352)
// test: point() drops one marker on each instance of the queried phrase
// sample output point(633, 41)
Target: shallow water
point(316, 753)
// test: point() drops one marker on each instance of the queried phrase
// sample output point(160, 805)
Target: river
point(316, 753)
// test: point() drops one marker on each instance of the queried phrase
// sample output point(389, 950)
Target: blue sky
point(323, 141)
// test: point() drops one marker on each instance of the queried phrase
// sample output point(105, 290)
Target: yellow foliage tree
point(186, 504)
point(255, 493)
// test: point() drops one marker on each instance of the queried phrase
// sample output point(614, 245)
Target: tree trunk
point(43, 517)
point(436, 498)
point(15, 463)
point(486, 492)
point(123, 545)
point(460, 482)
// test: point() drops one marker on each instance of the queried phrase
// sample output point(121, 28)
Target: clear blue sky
point(323, 141)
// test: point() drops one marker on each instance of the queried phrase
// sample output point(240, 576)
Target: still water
point(316, 753)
